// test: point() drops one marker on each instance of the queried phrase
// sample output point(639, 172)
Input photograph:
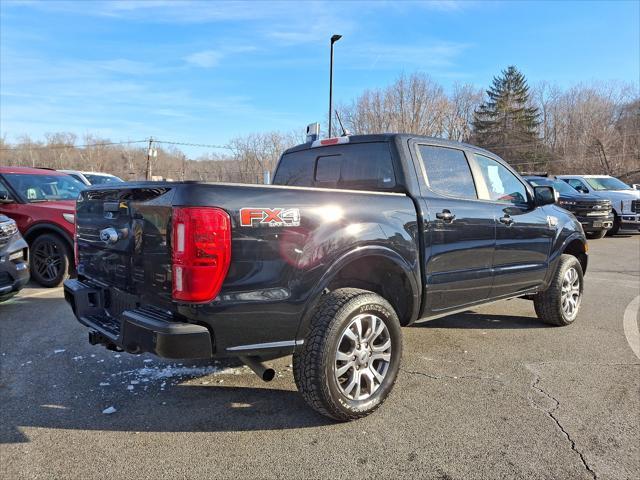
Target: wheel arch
point(578, 248)
point(41, 228)
point(374, 268)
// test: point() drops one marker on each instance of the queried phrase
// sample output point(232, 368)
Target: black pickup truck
point(359, 236)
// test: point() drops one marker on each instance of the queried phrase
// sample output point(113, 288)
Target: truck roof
point(30, 171)
point(391, 137)
point(585, 176)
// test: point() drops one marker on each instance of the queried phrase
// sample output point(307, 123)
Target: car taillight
point(201, 252)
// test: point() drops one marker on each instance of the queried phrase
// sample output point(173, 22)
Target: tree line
point(587, 128)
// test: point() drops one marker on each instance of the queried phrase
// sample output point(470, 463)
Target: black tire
point(549, 304)
point(50, 260)
point(315, 364)
point(616, 226)
point(596, 235)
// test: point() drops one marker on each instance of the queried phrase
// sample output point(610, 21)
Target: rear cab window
point(355, 166)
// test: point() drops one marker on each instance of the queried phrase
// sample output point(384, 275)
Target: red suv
point(43, 203)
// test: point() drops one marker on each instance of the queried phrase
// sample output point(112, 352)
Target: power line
point(203, 145)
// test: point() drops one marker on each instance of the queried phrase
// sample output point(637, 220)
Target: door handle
point(507, 220)
point(446, 216)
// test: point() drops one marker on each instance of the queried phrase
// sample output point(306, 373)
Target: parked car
point(93, 178)
point(42, 202)
point(594, 213)
point(358, 236)
point(624, 199)
point(14, 252)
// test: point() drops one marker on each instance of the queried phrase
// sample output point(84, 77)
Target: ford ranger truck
point(359, 236)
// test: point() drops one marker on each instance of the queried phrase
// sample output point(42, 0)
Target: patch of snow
point(79, 357)
point(104, 384)
point(147, 360)
point(59, 350)
point(109, 410)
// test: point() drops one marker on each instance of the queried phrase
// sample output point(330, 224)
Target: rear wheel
point(50, 260)
point(351, 357)
point(559, 304)
point(596, 235)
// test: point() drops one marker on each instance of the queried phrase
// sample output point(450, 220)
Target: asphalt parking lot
point(490, 393)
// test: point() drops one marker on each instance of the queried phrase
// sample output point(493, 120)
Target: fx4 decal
point(269, 217)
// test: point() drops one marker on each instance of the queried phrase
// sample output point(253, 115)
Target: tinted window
point(448, 171)
point(559, 185)
point(4, 192)
point(360, 166)
point(577, 184)
point(101, 179)
point(328, 169)
point(502, 185)
point(39, 188)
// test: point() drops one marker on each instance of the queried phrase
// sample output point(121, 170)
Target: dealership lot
point(490, 393)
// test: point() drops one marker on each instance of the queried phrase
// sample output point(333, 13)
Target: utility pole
point(334, 39)
point(184, 167)
point(151, 152)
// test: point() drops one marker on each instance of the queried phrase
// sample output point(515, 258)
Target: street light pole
point(334, 39)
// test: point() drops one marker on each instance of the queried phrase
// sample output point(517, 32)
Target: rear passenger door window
point(448, 172)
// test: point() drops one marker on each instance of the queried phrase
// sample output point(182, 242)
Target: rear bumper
point(136, 329)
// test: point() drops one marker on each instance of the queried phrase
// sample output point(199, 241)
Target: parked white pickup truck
point(625, 200)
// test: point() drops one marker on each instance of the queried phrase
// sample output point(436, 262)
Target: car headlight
point(8, 228)
point(69, 217)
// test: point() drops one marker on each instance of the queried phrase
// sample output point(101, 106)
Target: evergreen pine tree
point(506, 123)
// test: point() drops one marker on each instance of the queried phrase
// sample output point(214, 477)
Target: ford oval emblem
point(109, 235)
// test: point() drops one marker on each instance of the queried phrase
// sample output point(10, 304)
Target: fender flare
point(344, 260)
point(36, 228)
point(555, 255)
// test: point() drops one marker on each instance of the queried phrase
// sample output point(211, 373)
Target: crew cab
point(624, 199)
point(358, 236)
point(595, 214)
point(42, 202)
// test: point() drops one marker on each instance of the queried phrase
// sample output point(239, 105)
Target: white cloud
point(204, 59)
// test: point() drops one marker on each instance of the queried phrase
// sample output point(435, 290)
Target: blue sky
point(205, 72)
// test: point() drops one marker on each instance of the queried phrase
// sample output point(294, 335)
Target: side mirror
point(5, 198)
point(545, 195)
point(582, 189)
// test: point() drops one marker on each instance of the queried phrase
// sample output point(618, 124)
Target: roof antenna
point(345, 133)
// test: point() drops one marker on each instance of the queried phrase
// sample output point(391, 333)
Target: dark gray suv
point(14, 266)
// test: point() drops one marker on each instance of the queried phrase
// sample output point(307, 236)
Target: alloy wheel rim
point(47, 260)
point(571, 293)
point(363, 357)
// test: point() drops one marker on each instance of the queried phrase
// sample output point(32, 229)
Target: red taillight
point(201, 255)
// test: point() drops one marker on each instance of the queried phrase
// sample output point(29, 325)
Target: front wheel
point(50, 260)
point(559, 304)
point(616, 226)
point(350, 359)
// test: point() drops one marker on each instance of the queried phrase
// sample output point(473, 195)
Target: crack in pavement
point(535, 385)
point(453, 377)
